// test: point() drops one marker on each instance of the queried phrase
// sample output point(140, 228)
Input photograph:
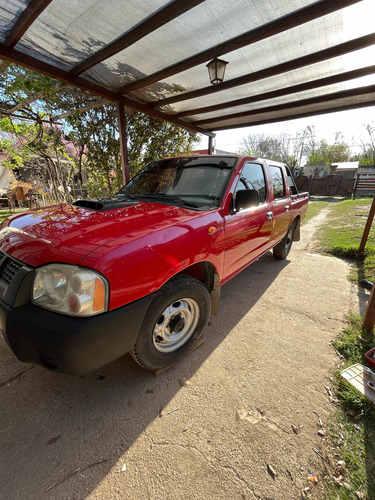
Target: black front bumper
point(70, 344)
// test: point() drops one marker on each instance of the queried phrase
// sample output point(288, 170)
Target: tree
point(283, 148)
point(367, 156)
point(90, 140)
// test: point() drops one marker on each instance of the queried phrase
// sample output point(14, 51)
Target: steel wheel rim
point(175, 325)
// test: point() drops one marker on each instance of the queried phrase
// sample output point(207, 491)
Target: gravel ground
point(237, 419)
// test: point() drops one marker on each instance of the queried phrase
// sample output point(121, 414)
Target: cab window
point(277, 182)
point(252, 177)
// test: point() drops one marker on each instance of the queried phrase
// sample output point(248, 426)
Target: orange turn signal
point(211, 229)
point(99, 295)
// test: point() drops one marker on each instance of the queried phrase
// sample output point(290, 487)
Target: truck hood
point(67, 233)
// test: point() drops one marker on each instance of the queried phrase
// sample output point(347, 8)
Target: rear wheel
point(282, 249)
point(173, 323)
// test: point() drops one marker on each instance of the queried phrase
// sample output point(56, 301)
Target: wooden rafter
point(300, 62)
point(296, 18)
point(161, 17)
point(295, 104)
point(327, 110)
point(310, 85)
point(26, 19)
point(30, 62)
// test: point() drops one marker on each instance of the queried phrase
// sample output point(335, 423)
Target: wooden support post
point(123, 142)
point(210, 144)
point(355, 185)
point(369, 318)
point(366, 232)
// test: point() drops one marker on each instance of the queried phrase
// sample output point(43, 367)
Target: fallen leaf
point(338, 479)
point(294, 429)
point(305, 492)
point(271, 471)
point(341, 466)
point(54, 439)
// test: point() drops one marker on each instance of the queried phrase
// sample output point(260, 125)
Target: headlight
point(72, 290)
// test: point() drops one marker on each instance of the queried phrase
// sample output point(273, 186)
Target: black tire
point(173, 324)
point(282, 249)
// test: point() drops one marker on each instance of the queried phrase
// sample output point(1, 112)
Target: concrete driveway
point(211, 426)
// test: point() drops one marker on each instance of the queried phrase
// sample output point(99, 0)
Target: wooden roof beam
point(346, 107)
point(310, 85)
point(296, 18)
point(34, 64)
point(300, 62)
point(294, 104)
point(26, 19)
point(155, 21)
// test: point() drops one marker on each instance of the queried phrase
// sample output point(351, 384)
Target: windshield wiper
point(168, 197)
point(129, 195)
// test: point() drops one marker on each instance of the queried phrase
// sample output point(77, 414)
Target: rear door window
point(277, 182)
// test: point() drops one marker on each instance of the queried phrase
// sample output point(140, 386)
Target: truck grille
point(8, 268)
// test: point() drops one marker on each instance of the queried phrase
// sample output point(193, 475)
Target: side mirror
point(246, 198)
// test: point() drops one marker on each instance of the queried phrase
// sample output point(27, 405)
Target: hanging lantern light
point(216, 70)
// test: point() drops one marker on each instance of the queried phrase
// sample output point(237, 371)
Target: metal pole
point(367, 227)
point(121, 117)
point(210, 144)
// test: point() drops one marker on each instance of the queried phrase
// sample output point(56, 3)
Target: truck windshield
point(197, 182)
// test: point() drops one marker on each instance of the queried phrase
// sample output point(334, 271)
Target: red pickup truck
point(83, 284)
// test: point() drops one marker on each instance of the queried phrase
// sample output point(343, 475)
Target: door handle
point(270, 215)
point(287, 208)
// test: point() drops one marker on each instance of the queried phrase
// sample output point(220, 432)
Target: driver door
point(248, 232)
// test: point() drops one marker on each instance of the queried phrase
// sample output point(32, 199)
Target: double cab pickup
point(83, 284)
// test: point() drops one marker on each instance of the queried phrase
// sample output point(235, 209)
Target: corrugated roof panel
point(203, 27)
point(309, 38)
point(286, 113)
point(69, 31)
point(9, 13)
point(337, 65)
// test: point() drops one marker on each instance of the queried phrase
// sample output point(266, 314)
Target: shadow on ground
point(87, 423)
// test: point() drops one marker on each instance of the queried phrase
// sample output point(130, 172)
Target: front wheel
point(282, 249)
point(173, 323)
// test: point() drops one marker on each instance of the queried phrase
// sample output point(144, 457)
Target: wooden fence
point(331, 185)
point(364, 184)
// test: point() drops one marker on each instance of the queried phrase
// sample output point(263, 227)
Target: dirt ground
point(243, 401)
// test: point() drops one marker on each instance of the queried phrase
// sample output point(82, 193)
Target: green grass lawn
point(314, 208)
point(4, 214)
point(342, 235)
point(353, 429)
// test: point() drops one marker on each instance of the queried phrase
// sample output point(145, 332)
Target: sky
point(350, 123)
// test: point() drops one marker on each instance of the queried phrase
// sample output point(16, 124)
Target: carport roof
point(285, 59)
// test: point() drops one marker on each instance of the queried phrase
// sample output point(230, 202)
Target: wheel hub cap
point(176, 325)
